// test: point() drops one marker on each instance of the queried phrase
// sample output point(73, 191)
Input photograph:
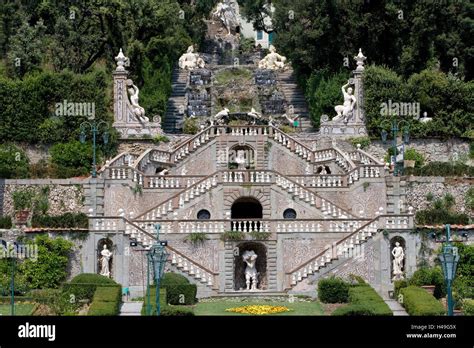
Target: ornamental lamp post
point(449, 261)
point(94, 127)
point(157, 257)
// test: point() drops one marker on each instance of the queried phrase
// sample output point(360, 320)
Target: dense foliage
point(441, 212)
point(66, 220)
point(49, 270)
point(106, 301)
point(364, 300)
point(430, 276)
point(409, 35)
point(418, 301)
point(13, 161)
point(333, 290)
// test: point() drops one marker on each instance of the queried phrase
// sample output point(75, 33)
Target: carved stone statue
point(398, 257)
point(273, 60)
point(240, 159)
point(250, 258)
point(344, 112)
point(227, 14)
point(191, 60)
point(253, 113)
point(219, 116)
point(137, 109)
point(104, 262)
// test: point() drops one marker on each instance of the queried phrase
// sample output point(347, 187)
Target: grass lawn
point(20, 309)
point(296, 308)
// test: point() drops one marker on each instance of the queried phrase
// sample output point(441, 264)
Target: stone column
point(359, 116)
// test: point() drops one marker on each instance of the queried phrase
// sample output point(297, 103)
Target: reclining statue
point(191, 60)
point(273, 60)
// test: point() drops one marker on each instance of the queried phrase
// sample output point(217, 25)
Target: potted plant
point(22, 202)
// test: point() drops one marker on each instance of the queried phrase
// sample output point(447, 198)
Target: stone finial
point(122, 61)
point(360, 58)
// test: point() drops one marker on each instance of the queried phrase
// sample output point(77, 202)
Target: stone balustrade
point(197, 271)
point(172, 181)
point(349, 246)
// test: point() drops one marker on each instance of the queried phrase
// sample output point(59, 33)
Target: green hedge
point(398, 285)
point(441, 169)
point(333, 290)
point(83, 286)
point(430, 276)
point(418, 301)
point(468, 306)
point(354, 309)
point(181, 294)
point(106, 301)
point(173, 311)
point(365, 295)
point(152, 301)
point(67, 220)
point(5, 222)
point(172, 278)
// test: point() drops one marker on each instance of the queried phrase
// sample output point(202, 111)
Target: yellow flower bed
point(258, 309)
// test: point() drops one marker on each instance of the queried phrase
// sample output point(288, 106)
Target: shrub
point(100, 308)
point(398, 285)
point(287, 129)
point(50, 268)
point(66, 220)
point(333, 290)
point(22, 199)
point(232, 235)
point(365, 295)
point(161, 138)
point(168, 311)
point(469, 199)
point(413, 155)
point(257, 235)
point(5, 222)
point(73, 157)
point(13, 162)
point(442, 169)
point(417, 301)
point(353, 309)
point(439, 215)
point(468, 306)
point(91, 278)
point(172, 278)
point(363, 141)
point(152, 301)
point(108, 294)
point(190, 126)
point(196, 238)
point(184, 294)
point(429, 276)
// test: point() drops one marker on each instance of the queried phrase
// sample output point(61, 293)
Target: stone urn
point(429, 288)
point(409, 163)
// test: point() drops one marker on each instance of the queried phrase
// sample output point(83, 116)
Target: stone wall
point(418, 187)
point(432, 149)
point(64, 195)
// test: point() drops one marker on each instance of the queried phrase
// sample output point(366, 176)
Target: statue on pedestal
point(398, 257)
point(104, 262)
point(191, 60)
point(273, 60)
point(137, 109)
point(240, 159)
point(345, 111)
point(250, 258)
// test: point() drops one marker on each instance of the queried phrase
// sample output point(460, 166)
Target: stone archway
point(233, 195)
point(240, 266)
point(246, 208)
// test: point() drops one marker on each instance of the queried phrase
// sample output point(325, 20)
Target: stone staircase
point(295, 97)
point(396, 194)
point(94, 192)
point(176, 105)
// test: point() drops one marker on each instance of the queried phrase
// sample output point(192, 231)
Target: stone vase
point(409, 163)
point(429, 288)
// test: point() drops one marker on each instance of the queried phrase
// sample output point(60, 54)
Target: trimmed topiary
point(417, 301)
point(172, 278)
point(333, 290)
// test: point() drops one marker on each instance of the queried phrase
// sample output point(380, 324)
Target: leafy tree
point(72, 155)
point(50, 268)
point(13, 162)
